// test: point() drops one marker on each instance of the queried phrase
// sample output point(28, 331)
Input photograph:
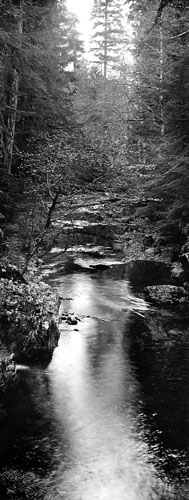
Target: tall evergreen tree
point(38, 40)
point(108, 39)
point(167, 102)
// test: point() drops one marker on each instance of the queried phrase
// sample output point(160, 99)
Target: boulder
point(177, 272)
point(71, 321)
point(40, 343)
point(166, 295)
point(28, 320)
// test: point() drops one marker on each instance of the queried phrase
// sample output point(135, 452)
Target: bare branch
point(177, 36)
point(49, 187)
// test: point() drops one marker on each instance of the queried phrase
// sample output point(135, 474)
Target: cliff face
point(28, 326)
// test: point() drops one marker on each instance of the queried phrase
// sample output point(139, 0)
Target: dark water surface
point(107, 419)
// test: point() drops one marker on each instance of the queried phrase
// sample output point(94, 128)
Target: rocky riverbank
point(28, 319)
point(28, 323)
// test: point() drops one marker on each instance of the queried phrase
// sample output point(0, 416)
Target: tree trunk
point(9, 133)
point(105, 39)
point(11, 106)
point(51, 209)
point(161, 78)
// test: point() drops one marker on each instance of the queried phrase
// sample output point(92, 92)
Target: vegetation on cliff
point(27, 318)
point(28, 324)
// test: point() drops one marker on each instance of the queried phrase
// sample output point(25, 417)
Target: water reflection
point(162, 360)
point(95, 394)
point(109, 459)
point(84, 422)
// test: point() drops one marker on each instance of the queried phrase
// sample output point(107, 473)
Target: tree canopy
point(67, 124)
point(40, 48)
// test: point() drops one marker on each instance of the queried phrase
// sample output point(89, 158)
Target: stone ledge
point(166, 295)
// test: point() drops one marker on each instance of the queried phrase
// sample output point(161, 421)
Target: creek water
point(107, 418)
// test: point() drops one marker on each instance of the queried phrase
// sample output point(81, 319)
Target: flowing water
point(107, 418)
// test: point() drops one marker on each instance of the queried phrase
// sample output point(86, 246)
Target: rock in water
point(166, 295)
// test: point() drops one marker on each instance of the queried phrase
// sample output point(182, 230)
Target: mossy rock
point(28, 319)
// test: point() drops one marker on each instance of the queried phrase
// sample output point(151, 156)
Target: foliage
point(108, 36)
point(26, 317)
point(161, 98)
point(179, 5)
point(82, 131)
point(39, 42)
point(102, 110)
point(56, 167)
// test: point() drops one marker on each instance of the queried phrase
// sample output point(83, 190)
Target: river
point(102, 421)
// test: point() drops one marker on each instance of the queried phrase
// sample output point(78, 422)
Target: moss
point(28, 318)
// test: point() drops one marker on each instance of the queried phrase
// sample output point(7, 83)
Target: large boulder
point(166, 295)
point(28, 321)
point(40, 343)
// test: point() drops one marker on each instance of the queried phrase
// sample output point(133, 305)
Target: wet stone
point(71, 321)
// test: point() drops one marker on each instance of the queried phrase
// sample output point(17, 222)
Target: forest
point(68, 125)
point(94, 225)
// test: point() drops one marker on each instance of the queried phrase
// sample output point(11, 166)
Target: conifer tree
point(167, 102)
point(108, 39)
point(38, 42)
